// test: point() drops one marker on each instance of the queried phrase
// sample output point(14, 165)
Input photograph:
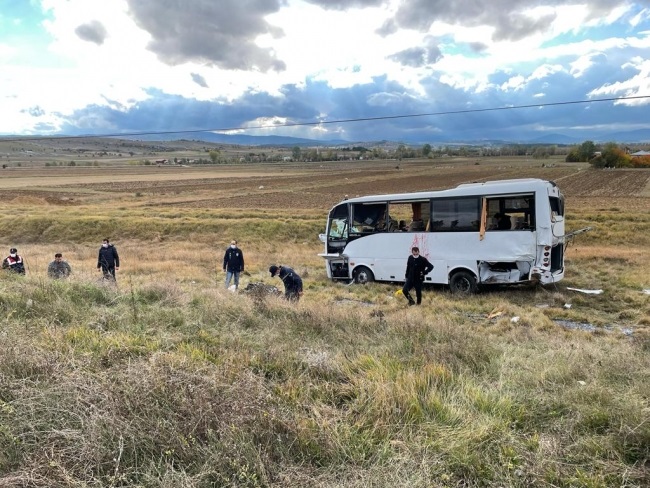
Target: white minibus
point(496, 232)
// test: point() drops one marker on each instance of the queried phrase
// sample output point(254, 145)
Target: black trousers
point(109, 272)
point(411, 283)
point(292, 295)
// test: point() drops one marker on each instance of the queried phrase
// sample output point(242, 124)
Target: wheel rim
point(463, 284)
point(363, 276)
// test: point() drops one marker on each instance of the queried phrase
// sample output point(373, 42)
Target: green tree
point(586, 151)
point(400, 152)
point(614, 157)
point(215, 155)
point(540, 152)
point(295, 153)
point(573, 156)
point(426, 150)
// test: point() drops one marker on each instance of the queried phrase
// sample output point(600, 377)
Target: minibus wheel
point(462, 283)
point(363, 275)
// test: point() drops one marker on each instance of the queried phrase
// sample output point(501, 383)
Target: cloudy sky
point(119, 66)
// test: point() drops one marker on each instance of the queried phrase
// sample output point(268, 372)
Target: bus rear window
point(557, 205)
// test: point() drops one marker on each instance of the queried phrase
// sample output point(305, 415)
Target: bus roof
point(466, 189)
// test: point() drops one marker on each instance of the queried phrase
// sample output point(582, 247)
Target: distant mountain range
point(245, 140)
point(635, 136)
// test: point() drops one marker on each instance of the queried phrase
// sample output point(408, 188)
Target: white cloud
point(6, 52)
point(514, 83)
point(545, 70)
point(635, 86)
point(640, 17)
point(580, 66)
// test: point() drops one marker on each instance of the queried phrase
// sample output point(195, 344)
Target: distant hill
point(640, 135)
point(555, 139)
point(245, 140)
point(635, 136)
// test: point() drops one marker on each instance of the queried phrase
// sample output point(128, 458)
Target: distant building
point(640, 153)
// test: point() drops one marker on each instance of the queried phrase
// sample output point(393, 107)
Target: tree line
point(609, 155)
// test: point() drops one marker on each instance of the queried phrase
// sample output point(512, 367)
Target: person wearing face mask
point(14, 262)
point(417, 267)
point(108, 260)
point(233, 263)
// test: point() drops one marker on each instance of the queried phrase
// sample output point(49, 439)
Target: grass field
point(169, 380)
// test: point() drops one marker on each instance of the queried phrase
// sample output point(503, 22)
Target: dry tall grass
point(168, 379)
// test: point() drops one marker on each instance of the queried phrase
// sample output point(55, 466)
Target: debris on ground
point(259, 290)
point(495, 313)
point(355, 301)
point(588, 292)
point(587, 327)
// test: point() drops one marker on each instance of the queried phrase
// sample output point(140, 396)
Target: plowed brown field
point(316, 186)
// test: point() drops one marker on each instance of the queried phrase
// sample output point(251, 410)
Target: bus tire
point(363, 275)
point(463, 283)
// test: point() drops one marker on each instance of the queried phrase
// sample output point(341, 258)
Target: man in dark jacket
point(233, 263)
point(417, 267)
point(292, 282)
point(108, 260)
point(14, 262)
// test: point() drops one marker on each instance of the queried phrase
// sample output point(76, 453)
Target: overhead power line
point(322, 122)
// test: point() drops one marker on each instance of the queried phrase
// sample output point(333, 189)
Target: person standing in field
point(417, 267)
point(58, 268)
point(292, 282)
point(233, 263)
point(14, 262)
point(108, 260)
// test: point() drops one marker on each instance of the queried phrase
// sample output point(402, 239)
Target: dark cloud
point(219, 33)
point(477, 47)
point(414, 57)
point(521, 26)
point(451, 118)
point(389, 27)
point(93, 31)
point(164, 112)
point(34, 111)
point(44, 127)
point(199, 80)
point(417, 57)
point(345, 4)
point(506, 16)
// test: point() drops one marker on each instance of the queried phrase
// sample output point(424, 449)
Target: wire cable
point(320, 122)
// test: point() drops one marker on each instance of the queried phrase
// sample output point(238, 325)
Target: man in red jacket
point(14, 262)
